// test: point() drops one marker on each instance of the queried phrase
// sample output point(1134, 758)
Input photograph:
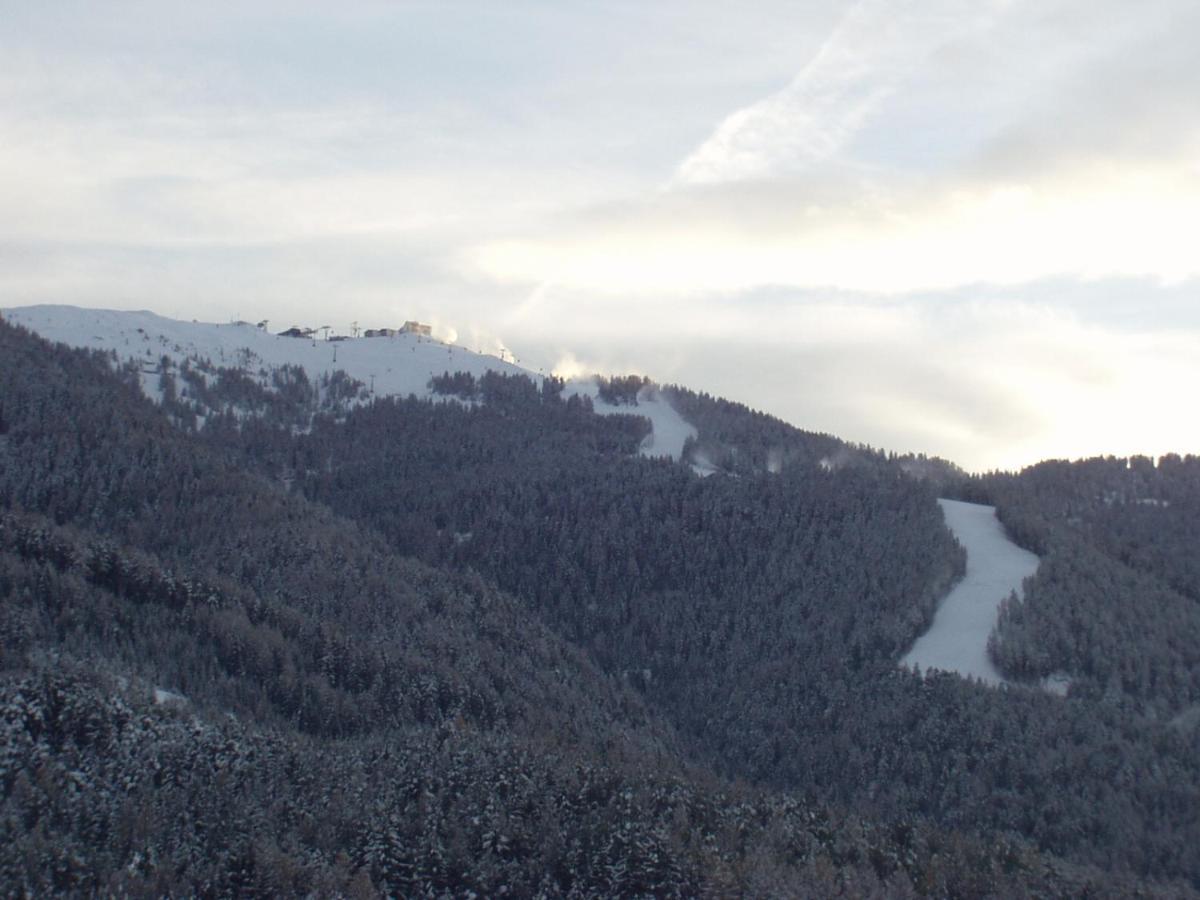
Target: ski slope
point(390, 366)
point(957, 639)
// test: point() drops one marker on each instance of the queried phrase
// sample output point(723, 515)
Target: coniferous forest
point(288, 642)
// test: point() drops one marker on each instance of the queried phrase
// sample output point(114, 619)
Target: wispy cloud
point(1086, 170)
point(870, 52)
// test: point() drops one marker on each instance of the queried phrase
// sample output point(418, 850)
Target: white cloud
point(1100, 222)
point(873, 49)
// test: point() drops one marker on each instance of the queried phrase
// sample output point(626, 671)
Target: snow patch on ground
point(1057, 683)
point(151, 381)
point(703, 466)
point(163, 697)
point(957, 639)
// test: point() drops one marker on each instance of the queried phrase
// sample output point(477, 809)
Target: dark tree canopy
point(268, 637)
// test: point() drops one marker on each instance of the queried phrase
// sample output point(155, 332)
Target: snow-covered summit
point(397, 365)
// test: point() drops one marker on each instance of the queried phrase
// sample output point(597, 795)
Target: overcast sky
point(963, 227)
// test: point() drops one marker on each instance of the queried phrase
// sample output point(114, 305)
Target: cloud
point(1066, 146)
point(891, 237)
point(870, 53)
point(924, 147)
point(1125, 91)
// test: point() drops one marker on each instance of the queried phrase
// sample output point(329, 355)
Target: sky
point(959, 227)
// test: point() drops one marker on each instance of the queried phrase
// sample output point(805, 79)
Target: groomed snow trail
point(957, 640)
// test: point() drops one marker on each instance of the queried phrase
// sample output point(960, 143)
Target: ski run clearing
point(996, 567)
point(400, 365)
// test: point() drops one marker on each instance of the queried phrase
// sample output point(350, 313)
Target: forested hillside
point(734, 438)
point(1116, 603)
point(429, 649)
point(693, 588)
point(761, 614)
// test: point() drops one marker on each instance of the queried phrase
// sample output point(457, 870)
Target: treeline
point(332, 674)
point(1119, 635)
point(106, 793)
point(621, 389)
point(1115, 604)
point(492, 387)
point(282, 397)
point(736, 439)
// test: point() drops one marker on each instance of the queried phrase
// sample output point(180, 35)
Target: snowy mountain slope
point(400, 365)
point(957, 640)
point(390, 366)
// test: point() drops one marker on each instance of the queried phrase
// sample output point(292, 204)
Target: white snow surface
point(957, 639)
point(400, 365)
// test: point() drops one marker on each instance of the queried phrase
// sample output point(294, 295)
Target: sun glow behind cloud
point(1132, 222)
